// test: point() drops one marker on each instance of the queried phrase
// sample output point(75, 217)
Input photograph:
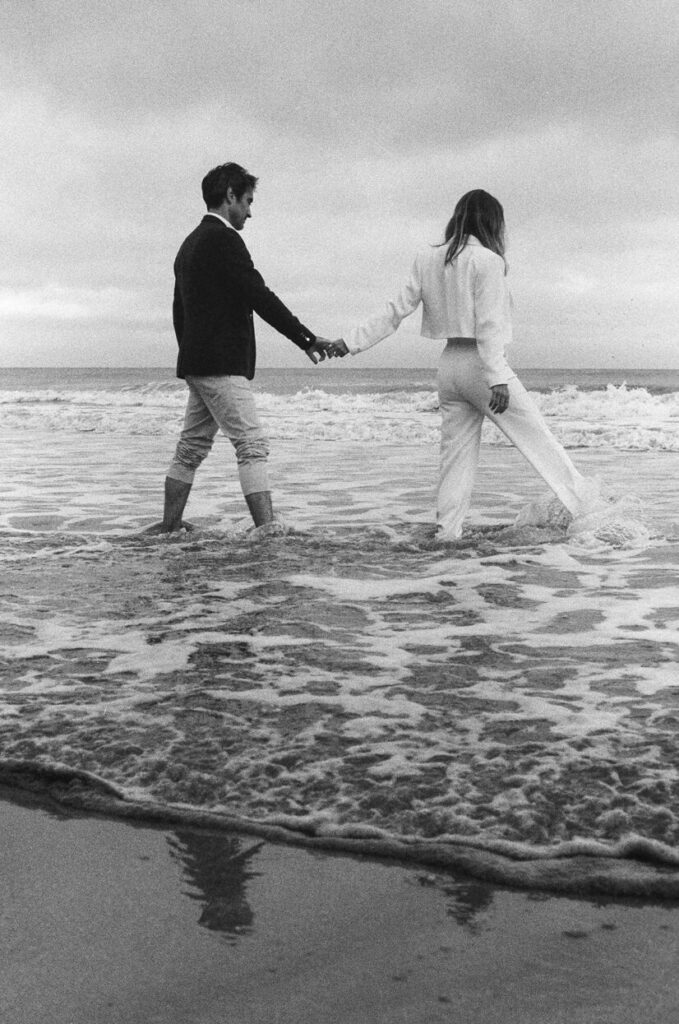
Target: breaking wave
point(617, 417)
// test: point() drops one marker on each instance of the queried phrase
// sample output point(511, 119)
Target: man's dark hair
point(219, 180)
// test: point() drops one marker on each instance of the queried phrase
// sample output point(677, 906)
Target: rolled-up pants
point(463, 397)
point(227, 404)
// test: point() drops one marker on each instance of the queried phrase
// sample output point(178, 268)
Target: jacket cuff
point(304, 339)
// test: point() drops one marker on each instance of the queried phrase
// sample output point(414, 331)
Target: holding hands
point(323, 348)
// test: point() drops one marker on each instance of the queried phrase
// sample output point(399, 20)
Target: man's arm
point(178, 314)
point(384, 324)
point(262, 300)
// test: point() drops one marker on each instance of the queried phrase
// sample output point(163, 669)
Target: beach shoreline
point(633, 867)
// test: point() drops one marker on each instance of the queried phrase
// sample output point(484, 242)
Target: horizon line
point(310, 369)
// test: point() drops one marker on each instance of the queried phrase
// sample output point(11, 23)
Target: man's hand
point(339, 348)
point(499, 398)
point(321, 349)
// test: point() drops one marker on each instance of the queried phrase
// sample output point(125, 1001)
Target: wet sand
point(106, 922)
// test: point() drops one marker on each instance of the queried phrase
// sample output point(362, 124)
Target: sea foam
point(618, 418)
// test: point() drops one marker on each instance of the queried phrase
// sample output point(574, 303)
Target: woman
point(462, 287)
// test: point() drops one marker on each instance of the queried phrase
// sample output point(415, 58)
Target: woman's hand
point(499, 398)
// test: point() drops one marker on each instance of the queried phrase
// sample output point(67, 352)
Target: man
point(217, 288)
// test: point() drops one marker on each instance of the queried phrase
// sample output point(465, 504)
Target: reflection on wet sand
point(218, 869)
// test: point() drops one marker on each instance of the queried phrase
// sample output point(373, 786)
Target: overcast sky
point(365, 122)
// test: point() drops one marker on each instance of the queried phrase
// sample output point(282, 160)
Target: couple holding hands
point(461, 286)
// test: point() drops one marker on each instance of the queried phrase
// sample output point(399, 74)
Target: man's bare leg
point(176, 497)
point(261, 507)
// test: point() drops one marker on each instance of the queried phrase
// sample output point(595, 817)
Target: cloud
point(365, 123)
point(411, 72)
point(54, 302)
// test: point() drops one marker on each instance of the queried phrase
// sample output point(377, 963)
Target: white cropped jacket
point(467, 298)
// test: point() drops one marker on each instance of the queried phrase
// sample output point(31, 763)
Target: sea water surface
point(515, 691)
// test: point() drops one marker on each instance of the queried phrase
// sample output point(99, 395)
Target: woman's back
point(463, 298)
point(449, 290)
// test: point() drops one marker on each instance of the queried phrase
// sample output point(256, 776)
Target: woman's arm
point(493, 329)
point(383, 324)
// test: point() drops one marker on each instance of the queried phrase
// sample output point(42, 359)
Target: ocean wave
point(615, 417)
point(150, 395)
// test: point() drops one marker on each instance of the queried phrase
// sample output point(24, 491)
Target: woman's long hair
point(480, 214)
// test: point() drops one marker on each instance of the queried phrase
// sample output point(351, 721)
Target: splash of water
point(608, 519)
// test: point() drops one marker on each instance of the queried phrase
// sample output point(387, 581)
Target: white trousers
point(464, 396)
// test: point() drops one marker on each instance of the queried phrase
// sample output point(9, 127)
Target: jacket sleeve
point(262, 300)
point(178, 314)
point(493, 320)
point(382, 325)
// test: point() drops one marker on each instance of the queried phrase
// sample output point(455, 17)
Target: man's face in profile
point(238, 210)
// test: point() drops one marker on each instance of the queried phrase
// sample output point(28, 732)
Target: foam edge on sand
point(634, 866)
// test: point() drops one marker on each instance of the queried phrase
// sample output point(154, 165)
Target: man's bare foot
point(159, 528)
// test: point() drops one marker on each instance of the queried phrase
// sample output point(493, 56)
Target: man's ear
point(230, 197)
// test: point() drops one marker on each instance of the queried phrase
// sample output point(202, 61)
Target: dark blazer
point(216, 291)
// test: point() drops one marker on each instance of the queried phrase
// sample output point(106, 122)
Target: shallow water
point(518, 686)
